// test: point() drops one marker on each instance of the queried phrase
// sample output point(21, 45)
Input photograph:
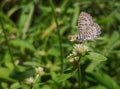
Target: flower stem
point(35, 80)
point(58, 33)
point(79, 76)
point(59, 37)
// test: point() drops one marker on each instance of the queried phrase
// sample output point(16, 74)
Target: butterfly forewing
point(84, 19)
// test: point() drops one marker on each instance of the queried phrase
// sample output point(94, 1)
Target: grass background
point(30, 38)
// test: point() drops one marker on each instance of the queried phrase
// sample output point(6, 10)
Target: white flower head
point(74, 60)
point(80, 49)
point(29, 80)
point(39, 70)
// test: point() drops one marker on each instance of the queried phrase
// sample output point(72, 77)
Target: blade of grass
point(28, 20)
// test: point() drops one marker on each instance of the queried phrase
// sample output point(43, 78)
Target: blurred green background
point(29, 39)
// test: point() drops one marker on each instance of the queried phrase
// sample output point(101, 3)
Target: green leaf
point(98, 87)
point(53, 52)
point(96, 57)
point(15, 85)
point(64, 77)
point(92, 66)
point(25, 18)
point(4, 74)
point(6, 19)
point(23, 44)
point(31, 63)
point(104, 80)
point(113, 42)
point(22, 75)
point(114, 38)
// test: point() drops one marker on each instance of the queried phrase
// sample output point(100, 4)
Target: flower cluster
point(78, 50)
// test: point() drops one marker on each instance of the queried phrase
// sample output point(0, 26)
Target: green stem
point(35, 80)
point(7, 41)
point(59, 37)
point(79, 76)
point(58, 33)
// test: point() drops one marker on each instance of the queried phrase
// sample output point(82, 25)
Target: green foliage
point(96, 59)
point(30, 44)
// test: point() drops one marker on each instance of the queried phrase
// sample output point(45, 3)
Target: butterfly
point(88, 30)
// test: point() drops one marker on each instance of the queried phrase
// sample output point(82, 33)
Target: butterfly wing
point(87, 29)
point(84, 19)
